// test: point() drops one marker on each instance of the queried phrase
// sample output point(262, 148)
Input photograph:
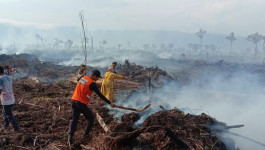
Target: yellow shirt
point(108, 84)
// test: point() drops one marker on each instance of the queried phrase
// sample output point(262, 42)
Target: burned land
point(43, 93)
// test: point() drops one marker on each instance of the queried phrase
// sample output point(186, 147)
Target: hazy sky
point(243, 17)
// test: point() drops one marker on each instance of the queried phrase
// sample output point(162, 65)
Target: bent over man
point(81, 97)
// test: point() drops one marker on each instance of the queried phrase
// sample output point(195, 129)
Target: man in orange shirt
point(81, 97)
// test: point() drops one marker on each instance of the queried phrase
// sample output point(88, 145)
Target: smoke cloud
point(235, 99)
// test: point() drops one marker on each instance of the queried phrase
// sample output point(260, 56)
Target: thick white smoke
point(235, 99)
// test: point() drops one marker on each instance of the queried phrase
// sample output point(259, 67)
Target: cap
point(96, 73)
point(82, 65)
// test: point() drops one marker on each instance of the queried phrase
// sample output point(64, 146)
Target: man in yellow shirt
point(108, 83)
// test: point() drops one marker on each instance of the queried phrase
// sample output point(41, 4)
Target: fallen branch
point(249, 139)
point(133, 109)
point(35, 140)
point(46, 141)
point(85, 147)
point(102, 123)
point(21, 147)
point(35, 105)
point(235, 126)
point(163, 108)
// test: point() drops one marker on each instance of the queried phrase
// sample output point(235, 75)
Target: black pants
point(77, 108)
point(8, 117)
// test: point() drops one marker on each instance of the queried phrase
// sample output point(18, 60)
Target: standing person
point(108, 83)
point(81, 72)
point(81, 97)
point(8, 71)
point(7, 99)
point(113, 66)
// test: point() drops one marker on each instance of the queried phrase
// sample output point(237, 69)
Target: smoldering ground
point(237, 98)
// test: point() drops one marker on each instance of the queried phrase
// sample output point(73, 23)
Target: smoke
point(234, 99)
point(103, 58)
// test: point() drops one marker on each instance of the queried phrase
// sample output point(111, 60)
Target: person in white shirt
point(7, 99)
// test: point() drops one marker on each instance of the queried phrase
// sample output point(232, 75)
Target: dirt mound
point(168, 129)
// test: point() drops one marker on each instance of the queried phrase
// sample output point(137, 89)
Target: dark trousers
point(8, 117)
point(77, 109)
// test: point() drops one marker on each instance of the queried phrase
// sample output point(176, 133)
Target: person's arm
point(93, 87)
point(120, 77)
point(116, 76)
point(1, 86)
point(79, 75)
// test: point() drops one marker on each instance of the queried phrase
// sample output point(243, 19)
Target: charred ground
point(43, 111)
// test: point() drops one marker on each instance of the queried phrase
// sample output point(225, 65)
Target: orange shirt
point(82, 92)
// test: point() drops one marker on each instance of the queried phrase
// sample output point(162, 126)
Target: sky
point(243, 17)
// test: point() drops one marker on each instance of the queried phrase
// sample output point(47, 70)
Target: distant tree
point(263, 45)
point(38, 37)
point(103, 43)
point(163, 46)
point(119, 46)
point(208, 48)
point(57, 43)
point(92, 43)
point(194, 47)
point(170, 46)
point(153, 46)
point(129, 45)
point(146, 46)
point(68, 44)
point(200, 35)
point(255, 38)
point(231, 38)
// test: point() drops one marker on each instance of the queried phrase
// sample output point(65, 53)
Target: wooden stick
point(85, 147)
point(102, 123)
point(35, 105)
point(35, 140)
point(235, 126)
point(20, 147)
point(133, 109)
point(140, 110)
point(247, 138)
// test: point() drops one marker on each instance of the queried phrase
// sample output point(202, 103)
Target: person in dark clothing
point(113, 67)
point(8, 71)
point(81, 72)
point(81, 97)
point(7, 99)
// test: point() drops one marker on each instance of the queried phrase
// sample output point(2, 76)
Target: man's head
point(82, 67)
point(1, 70)
point(6, 67)
point(95, 75)
point(110, 69)
point(114, 64)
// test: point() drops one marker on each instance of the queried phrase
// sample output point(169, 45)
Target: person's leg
point(90, 117)
point(6, 122)
point(74, 120)
point(9, 115)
